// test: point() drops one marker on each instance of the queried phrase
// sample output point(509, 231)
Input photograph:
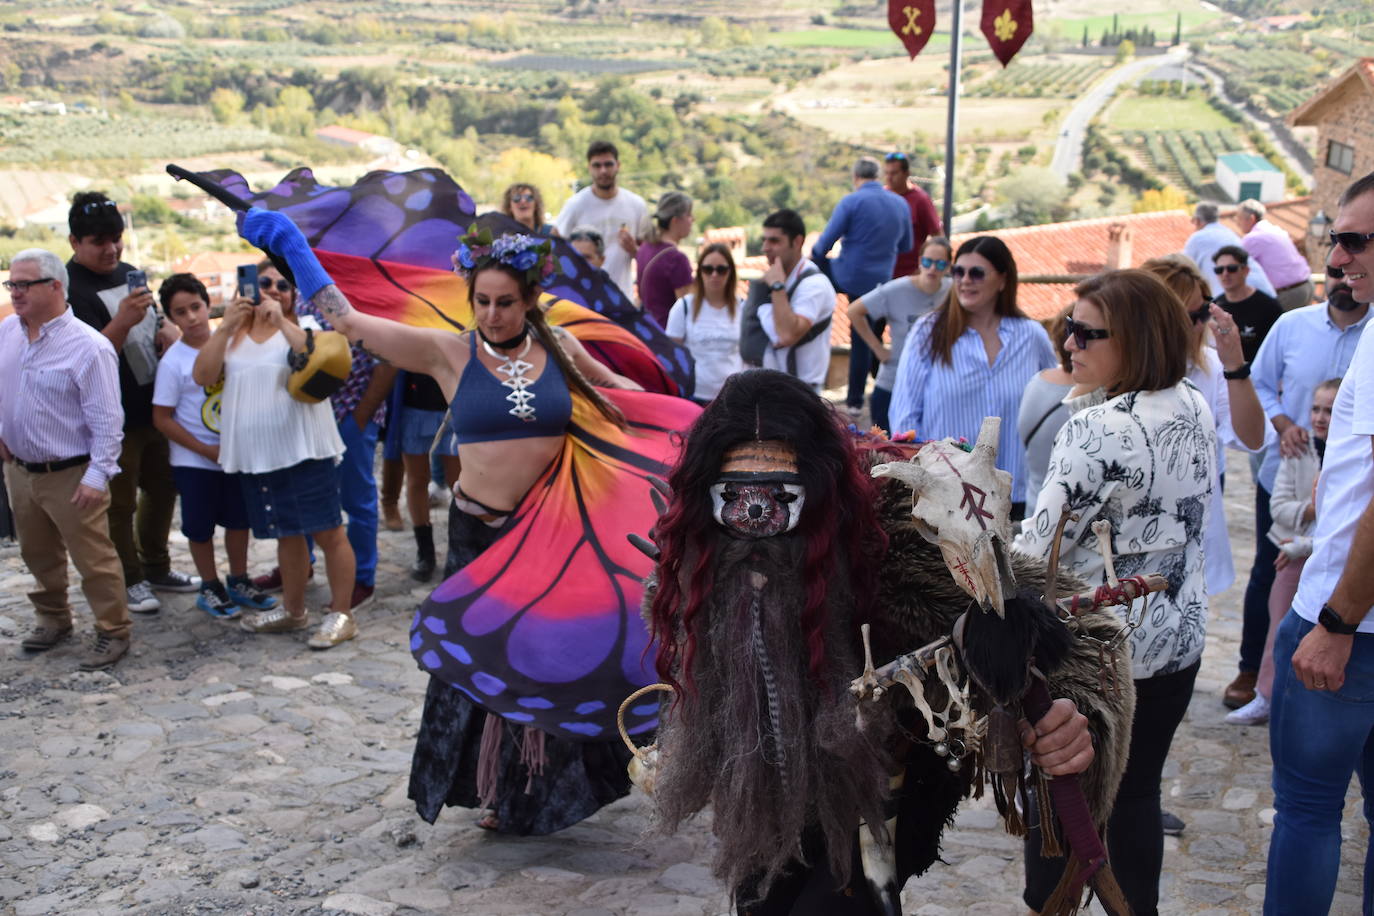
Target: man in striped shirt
point(60, 431)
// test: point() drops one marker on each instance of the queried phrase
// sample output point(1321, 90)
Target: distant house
point(1342, 111)
point(359, 139)
point(218, 270)
point(1246, 176)
point(1282, 23)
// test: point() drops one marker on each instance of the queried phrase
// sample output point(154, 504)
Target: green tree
point(1032, 194)
point(715, 33)
point(226, 105)
point(1125, 51)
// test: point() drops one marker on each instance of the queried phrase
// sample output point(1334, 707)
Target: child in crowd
point(188, 415)
point(1293, 505)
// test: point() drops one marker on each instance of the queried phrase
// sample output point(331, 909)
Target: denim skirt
point(301, 499)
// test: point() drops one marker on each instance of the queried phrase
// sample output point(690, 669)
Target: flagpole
point(952, 118)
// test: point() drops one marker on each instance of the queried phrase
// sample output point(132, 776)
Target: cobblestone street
point(213, 771)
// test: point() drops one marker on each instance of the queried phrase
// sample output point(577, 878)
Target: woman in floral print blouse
point(1143, 460)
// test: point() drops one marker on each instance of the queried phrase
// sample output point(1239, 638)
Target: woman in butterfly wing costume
point(776, 546)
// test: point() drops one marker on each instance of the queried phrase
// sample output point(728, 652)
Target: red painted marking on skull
point(961, 567)
point(975, 510)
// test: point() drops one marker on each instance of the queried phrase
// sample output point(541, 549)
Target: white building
point(1246, 176)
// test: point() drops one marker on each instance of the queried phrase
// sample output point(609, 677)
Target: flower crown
point(524, 253)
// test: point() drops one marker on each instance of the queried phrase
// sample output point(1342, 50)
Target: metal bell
point(942, 749)
point(953, 763)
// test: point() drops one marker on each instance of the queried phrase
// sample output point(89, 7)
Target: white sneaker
point(436, 495)
point(141, 598)
point(1256, 712)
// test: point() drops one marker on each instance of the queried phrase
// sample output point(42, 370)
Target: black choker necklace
point(511, 344)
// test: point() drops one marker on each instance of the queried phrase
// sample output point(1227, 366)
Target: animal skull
point(962, 503)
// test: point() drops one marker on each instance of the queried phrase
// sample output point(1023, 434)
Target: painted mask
point(759, 493)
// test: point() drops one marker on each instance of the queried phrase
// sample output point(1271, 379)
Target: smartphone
point(248, 283)
point(136, 279)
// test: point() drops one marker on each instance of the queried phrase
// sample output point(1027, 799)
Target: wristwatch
point(777, 287)
point(1240, 372)
point(1334, 624)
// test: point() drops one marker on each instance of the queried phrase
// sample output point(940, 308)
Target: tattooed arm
point(426, 350)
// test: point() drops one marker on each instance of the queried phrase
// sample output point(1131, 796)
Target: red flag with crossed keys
point(913, 21)
point(1007, 24)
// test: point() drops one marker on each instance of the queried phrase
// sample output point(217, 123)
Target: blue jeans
point(1254, 627)
point(879, 405)
point(1317, 739)
point(860, 361)
point(358, 494)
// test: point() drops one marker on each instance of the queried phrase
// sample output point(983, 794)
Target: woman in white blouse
point(707, 320)
point(1143, 460)
point(284, 452)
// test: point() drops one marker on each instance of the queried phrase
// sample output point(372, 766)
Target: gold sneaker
point(277, 620)
point(334, 629)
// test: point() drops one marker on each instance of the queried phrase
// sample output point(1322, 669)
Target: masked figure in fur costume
point(775, 548)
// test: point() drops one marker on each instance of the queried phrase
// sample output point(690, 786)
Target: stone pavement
point(214, 771)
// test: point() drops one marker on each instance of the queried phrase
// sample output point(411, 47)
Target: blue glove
point(275, 233)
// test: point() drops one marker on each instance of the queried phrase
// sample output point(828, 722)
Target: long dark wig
point(539, 326)
point(838, 522)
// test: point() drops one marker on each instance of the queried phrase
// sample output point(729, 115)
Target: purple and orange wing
point(544, 627)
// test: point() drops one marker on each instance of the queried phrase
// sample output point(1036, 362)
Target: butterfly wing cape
point(387, 242)
point(543, 628)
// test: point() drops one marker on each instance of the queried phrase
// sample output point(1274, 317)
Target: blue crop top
point(482, 405)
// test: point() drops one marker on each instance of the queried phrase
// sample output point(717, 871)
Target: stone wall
point(1349, 119)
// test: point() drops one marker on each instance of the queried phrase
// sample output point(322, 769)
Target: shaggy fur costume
point(763, 728)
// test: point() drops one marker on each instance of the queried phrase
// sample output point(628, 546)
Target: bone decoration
point(962, 503)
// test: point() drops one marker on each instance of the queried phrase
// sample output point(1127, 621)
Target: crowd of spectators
point(114, 403)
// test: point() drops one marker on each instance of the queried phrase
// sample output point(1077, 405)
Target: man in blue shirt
point(875, 227)
point(1209, 237)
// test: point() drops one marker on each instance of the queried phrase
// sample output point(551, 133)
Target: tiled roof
point(1310, 113)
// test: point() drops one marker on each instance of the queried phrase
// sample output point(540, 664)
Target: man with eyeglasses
point(1321, 728)
point(142, 496)
point(925, 222)
point(873, 227)
point(1208, 236)
point(1255, 312)
point(60, 429)
point(618, 214)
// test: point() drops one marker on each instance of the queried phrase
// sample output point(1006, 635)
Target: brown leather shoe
point(1240, 691)
point(44, 636)
point(391, 517)
point(104, 652)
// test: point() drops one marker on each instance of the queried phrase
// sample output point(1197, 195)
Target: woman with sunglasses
point(707, 321)
point(1143, 460)
point(524, 204)
point(972, 358)
point(900, 302)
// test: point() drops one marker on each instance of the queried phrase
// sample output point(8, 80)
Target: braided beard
point(769, 749)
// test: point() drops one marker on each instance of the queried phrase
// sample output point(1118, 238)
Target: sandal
point(277, 620)
point(489, 821)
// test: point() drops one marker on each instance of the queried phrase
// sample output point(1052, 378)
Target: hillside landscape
point(747, 110)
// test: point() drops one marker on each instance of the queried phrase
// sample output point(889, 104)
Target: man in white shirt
point(619, 215)
point(801, 301)
point(60, 430)
point(1209, 236)
point(1322, 725)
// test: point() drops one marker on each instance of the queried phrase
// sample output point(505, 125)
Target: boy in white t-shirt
point(188, 415)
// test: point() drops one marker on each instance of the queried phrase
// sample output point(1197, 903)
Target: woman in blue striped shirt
point(972, 358)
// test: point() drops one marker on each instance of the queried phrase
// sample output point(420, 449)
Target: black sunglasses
point(938, 263)
point(94, 206)
point(522, 198)
point(709, 269)
point(1226, 269)
point(1082, 334)
point(281, 283)
point(1203, 312)
point(973, 273)
point(1352, 242)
